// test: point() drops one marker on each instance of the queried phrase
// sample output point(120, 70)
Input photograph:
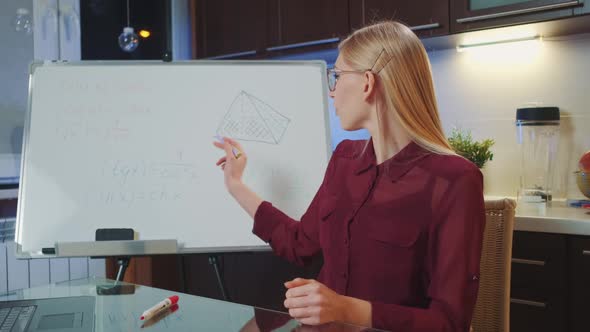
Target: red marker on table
point(159, 307)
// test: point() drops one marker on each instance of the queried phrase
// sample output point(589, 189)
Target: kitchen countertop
point(556, 217)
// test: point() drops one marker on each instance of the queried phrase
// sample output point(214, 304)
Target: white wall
point(481, 92)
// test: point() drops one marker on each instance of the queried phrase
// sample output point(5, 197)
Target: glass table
point(118, 307)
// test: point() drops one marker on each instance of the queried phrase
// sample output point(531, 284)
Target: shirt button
point(344, 275)
point(346, 242)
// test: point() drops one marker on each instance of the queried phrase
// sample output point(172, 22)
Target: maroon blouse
point(405, 235)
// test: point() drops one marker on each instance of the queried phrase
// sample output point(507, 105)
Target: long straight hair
point(404, 79)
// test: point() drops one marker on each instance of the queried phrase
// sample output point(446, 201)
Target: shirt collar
point(396, 166)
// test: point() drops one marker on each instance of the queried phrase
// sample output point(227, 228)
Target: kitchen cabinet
point(240, 29)
point(267, 28)
point(467, 15)
point(56, 32)
point(582, 9)
point(538, 292)
point(550, 282)
point(579, 271)
point(259, 28)
point(300, 24)
point(425, 17)
point(230, 28)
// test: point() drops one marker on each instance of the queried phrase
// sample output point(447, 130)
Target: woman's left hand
point(312, 303)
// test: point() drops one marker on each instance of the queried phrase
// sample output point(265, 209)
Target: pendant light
point(128, 40)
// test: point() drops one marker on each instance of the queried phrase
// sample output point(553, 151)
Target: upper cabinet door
point(425, 17)
point(307, 23)
point(480, 14)
point(57, 33)
point(230, 28)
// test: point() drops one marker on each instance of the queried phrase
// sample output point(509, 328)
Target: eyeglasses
point(334, 74)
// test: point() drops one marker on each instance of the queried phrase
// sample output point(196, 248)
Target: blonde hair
point(404, 78)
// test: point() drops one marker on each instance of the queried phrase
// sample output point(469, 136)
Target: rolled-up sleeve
point(454, 252)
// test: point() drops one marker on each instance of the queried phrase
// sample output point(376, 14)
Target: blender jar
point(538, 137)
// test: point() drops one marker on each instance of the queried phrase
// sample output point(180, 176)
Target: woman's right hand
point(233, 165)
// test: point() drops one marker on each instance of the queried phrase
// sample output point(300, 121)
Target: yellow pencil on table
point(237, 153)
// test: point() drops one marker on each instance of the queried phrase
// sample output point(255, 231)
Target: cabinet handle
point(530, 303)
point(71, 23)
point(586, 252)
point(298, 45)
point(555, 6)
point(425, 26)
point(49, 20)
point(528, 261)
point(232, 55)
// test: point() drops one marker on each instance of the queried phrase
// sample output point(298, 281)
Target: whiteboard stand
point(117, 234)
point(119, 243)
point(213, 260)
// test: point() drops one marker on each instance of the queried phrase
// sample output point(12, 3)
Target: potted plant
point(478, 152)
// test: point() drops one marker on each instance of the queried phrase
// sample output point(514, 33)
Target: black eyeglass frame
point(334, 75)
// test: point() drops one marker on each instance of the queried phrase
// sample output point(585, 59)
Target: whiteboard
point(129, 145)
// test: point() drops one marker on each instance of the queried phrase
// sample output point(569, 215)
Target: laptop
point(67, 314)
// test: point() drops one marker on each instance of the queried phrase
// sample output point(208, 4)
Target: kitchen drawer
point(539, 246)
point(538, 298)
point(538, 282)
point(530, 316)
point(539, 266)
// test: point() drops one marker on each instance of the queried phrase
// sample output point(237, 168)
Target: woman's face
point(349, 101)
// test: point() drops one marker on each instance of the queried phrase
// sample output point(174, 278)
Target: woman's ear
point(369, 87)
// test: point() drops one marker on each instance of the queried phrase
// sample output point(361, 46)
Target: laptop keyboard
point(16, 319)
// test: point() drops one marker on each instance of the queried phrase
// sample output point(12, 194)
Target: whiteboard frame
point(85, 249)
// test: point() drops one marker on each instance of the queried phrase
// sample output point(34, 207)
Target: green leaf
point(478, 152)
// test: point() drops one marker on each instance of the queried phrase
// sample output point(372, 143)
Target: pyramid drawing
point(251, 119)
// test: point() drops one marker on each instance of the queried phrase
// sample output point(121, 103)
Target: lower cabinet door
point(579, 272)
point(539, 286)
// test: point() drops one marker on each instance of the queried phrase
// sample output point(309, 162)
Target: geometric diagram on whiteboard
point(251, 119)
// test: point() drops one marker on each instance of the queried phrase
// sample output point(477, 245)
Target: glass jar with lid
point(538, 138)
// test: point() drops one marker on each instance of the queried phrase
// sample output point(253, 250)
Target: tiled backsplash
point(482, 94)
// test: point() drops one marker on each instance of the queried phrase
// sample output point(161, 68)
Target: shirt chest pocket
point(396, 249)
point(393, 233)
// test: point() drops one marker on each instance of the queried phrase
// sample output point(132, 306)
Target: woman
point(399, 218)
